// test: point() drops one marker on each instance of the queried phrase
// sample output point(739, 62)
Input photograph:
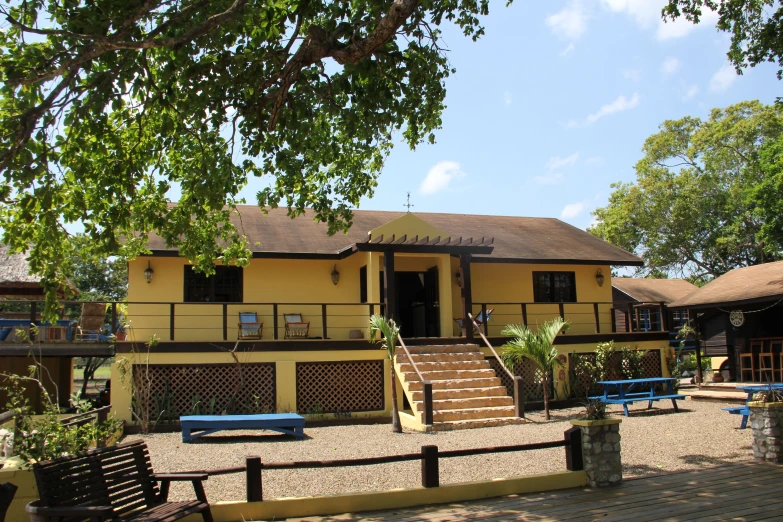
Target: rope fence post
point(573, 448)
point(255, 492)
point(430, 477)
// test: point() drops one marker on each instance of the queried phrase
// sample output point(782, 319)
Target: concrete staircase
point(466, 392)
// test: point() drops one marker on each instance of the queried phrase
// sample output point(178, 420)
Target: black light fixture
point(599, 277)
point(335, 276)
point(148, 273)
point(459, 278)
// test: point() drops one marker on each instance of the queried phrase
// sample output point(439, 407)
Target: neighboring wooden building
point(740, 316)
point(642, 304)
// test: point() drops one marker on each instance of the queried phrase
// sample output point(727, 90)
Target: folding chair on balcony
point(295, 327)
point(249, 327)
point(479, 319)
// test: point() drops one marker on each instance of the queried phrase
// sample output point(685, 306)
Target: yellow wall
point(494, 283)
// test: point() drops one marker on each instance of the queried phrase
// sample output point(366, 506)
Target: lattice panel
point(329, 387)
point(531, 379)
point(651, 364)
point(177, 390)
point(582, 383)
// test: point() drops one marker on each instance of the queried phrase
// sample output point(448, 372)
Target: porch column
point(699, 378)
point(467, 296)
point(390, 285)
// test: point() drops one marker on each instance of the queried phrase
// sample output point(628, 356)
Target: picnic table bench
point(113, 483)
point(744, 410)
point(288, 423)
point(632, 390)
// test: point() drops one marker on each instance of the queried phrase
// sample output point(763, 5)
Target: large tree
point(707, 196)
point(106, 105)
point(97, 278)
point(756, 27)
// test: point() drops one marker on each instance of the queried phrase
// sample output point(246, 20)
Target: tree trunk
point(396, 425)
point(546, 395)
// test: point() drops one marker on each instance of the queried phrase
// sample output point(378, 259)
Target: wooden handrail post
point(597, 318)
point(253, 468)
point(573, 437)
point(114, 324)
point(274, 319)
point(323, 320)
point(225, 322)
point(524, 314)
point(171, 321)
point(428, 413)
point(430, 477)
point(33, 314)
point(519, 398)
point(484, 318)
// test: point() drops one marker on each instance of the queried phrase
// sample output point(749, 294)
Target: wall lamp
point(335, 276)
point(599, 277)
point(148, 273)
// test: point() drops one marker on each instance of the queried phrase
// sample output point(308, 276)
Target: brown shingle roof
point(516, 238)
point(654, 290)
point(749, 284)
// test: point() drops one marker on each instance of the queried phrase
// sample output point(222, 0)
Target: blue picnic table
point(626, 391)
point(750, 390)
point(288, 423)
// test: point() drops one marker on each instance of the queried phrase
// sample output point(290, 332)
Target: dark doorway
point(417, 301)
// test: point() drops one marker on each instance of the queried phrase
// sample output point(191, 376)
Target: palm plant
point(389, 332)
point(538, 346)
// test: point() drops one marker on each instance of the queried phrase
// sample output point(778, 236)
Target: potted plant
point(766, 422)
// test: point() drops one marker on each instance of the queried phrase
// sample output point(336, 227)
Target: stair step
point(444, 366)
point(475, 423)
point(444, 348)
point(473, 413)
point(444, 375)
point(461, 393)
point(451, 384)
point(439, 357)
point(471, 402)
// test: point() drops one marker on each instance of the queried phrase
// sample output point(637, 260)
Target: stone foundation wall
point(601, 452)
point(766, 422)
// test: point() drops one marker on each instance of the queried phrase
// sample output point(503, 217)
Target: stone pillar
point(766, 422)
point(601, 451)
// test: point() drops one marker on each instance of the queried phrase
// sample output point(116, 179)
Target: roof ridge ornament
point(408, 203)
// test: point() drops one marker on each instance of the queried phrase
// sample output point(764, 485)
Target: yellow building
point(428, 271)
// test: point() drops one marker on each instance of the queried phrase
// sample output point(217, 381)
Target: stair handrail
point(519, 404)
point(427, 385)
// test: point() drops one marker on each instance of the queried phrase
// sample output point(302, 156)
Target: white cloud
point(570, 22)
point(670, 65)
point(551, 178)
point(593, 160)
point(634, 75)
point(557, 162)
point(508, 98)
point(572, 210)
point(647, 15)
point(439, 177)
point(693, 90)
point(723, 78)
point(621, 103)
point(568, 50)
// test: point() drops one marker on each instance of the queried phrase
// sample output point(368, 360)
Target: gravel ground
point(701, 435)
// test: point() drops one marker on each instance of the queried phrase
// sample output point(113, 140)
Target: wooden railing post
point(274, 320)
point(428, 413)
point(519, 398)
point(664, 319)
point(430, 477)
point(629, 322)
point(372, 309)
point(253, 466)
point(561, 309)
point(524, 314)
point(33, 314)
point(573, 437)
point(323, 320)
point(225, 322)
point(614, 319)
point(114, 324)
point(597, 319)
point(171, 321)
point(484, 318)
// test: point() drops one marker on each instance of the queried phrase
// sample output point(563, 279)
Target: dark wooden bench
point(114, 483)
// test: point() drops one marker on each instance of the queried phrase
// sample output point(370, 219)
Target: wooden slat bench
point(288, 423)
point(114, 483)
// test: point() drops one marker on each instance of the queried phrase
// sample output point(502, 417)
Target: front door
point(418, 303)
point(432, 302)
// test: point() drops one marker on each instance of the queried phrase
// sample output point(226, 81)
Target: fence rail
point(429, 456)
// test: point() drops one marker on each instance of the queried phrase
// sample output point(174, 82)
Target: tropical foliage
point(537, 346)
point(389, 331)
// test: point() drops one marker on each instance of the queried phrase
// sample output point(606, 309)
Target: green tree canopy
point(707, 196)
point(756, 27)
point(105, 105)
point(97, 278)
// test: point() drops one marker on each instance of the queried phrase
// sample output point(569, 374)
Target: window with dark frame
point(554, 287)
point(224, 286)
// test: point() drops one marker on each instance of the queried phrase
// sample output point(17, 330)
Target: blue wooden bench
point(740, 410)
point(626, 395)
point(195, 426)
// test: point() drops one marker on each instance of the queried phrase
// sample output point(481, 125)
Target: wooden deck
point(737, 491)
